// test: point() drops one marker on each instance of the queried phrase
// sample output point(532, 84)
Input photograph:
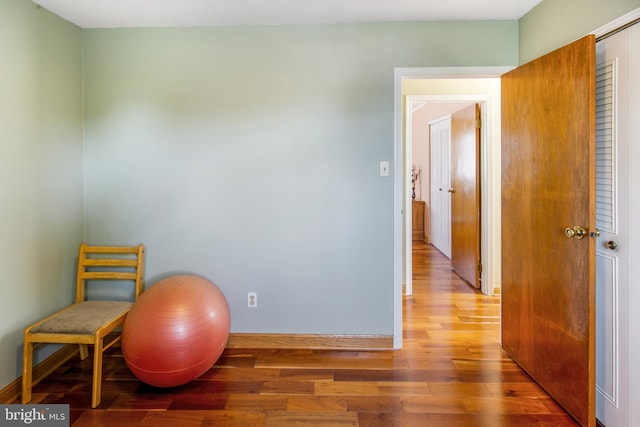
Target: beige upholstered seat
point(88, 322)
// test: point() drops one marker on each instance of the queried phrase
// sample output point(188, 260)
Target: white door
point(613, 212)
point(440, 140)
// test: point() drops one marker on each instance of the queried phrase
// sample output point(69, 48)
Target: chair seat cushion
point(84, 318)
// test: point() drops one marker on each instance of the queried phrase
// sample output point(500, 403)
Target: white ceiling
point(179, 13)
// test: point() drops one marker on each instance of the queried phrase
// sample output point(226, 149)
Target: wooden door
point(548, 186)
point(465, 194)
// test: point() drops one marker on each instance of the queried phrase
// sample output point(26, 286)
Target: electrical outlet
point(252, 300)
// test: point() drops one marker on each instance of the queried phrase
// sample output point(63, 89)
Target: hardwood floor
point(451, 372)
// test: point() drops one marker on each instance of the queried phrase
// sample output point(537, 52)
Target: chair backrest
point(105, 263)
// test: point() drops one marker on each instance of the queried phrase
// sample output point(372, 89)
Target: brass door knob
point(576, 232)
point(611, 245)
point(451, 190)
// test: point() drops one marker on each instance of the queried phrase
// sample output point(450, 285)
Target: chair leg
point(96, 390)
point(84, 351)
point(27, 370)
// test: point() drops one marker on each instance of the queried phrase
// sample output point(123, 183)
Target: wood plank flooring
point(451, 372)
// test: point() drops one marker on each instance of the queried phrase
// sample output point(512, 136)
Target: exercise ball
point(175, 331)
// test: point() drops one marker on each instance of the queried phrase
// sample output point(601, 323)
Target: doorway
point(446, 85)
point(445, 157)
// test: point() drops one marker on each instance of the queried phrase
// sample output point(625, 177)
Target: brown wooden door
point(465, 188)
point(548, 185)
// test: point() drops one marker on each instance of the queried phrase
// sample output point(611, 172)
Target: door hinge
point(478, 124)
point(479, 267)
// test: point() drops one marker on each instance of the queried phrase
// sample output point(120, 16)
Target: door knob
point(451, 190)
point(576, 232)
point(611, 245)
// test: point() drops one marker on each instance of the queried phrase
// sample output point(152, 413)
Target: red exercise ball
point(175, 331)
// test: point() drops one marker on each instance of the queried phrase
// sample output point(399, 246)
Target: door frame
point(487, 106)
point(490, 181)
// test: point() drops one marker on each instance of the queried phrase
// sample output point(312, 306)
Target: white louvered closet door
point(612, 219)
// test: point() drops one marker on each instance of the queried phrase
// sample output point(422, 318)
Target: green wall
point(41, 213)
point(250, 155)
point(554, 23)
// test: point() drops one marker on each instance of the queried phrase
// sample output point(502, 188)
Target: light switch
point(384, 168)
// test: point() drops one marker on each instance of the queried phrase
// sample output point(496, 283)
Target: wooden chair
point(88, 322)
